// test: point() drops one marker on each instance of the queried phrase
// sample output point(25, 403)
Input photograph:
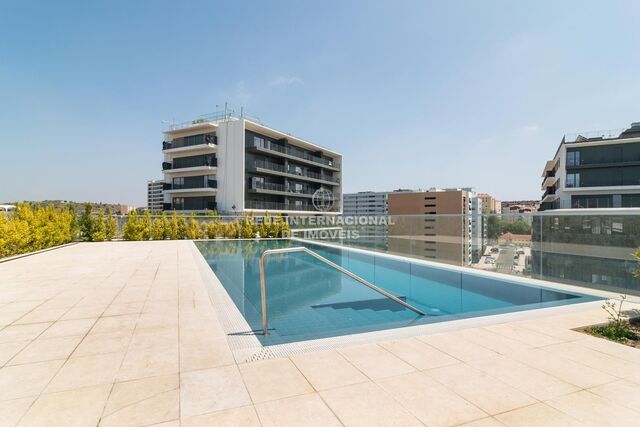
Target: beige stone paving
point(125, 333)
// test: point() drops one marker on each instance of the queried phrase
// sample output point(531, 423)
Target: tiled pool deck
point(126, 334)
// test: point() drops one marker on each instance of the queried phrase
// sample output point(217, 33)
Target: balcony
point(294, 153)
point(549, 181)
point(291, 173)
point(188, 164)
point(206, 186)
point(272, 188)
point(263, 205)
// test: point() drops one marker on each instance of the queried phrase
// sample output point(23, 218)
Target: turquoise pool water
point(308, 299)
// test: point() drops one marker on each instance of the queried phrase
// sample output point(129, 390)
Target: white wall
point(231, 185)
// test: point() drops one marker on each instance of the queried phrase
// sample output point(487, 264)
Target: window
point(573, 180)
point(573, 158)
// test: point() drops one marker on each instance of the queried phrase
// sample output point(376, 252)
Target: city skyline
point(434, 95)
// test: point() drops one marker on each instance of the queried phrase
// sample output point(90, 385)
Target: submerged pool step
point(377, 304)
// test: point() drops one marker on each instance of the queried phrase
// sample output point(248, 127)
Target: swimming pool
point(307, 299)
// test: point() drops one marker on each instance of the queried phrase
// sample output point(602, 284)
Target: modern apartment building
point(489, 204)
point(594, 170)
point(365, 203)
point(155, 197)
point(233, 164)
point(434, 224)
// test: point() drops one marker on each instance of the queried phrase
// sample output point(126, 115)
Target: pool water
point(308, 299)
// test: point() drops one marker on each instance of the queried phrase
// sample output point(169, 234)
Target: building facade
point(490, 205)
point(365, 203)
point(434, 224)
point(231, 164)
point(155, 196)
point(597, 170)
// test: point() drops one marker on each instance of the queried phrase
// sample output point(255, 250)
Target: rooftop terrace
point(125, 333)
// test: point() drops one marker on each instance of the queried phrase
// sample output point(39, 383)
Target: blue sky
point(413, 94)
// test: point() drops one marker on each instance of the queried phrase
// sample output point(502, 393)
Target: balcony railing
point(259, 204)
point(179, 143)
point(290, 170)
point(295, 152)
point(210, 183)
point(210, 162)
point(258, 185)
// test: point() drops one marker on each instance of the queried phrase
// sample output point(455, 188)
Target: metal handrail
point(263, 289)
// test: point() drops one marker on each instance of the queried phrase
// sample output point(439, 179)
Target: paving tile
point(538, 415)
point(39, 316)
point(10, 349)
point(493, 341)
point(26, 380)
point(124, 323)
point(488, 393)
point(12, 410)
point(611, 348)
point(459, 348)
point(525, 378)
point(67, 328)
point(41, 350)
point(124, 308)
point(142, 402)
point(375, 362)
point(419, 354)
point(623, 392)
point(150, 354)
point(594, 410)
point(429, 401)
point(83, 312)
point(14, 333)
point(86, 371)
point(314, 365)
point(485, 422)
point(603, 362)
point(527, 336)
point(203, 351)
point(69, 408)
point(292, 411)
point(572, 372)
point(244, 416)
point(210, 390)
point(366, 404)
point(92, 344)
point(273, 379)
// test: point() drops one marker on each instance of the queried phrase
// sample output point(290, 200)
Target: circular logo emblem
point(322, 199)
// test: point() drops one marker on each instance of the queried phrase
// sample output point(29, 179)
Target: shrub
point(160, 227)
point(86, 223)
point(111, 226)
point(137, 228)
point(98, 228)
point(192, 230)
point(31, 229)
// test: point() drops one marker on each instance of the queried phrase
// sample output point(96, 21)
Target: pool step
point(377, 304)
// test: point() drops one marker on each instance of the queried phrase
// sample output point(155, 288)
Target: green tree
point(98, 229)
point(86, 223)
point(182, 227)
point(172, 227)
point(110, 226)
point(160, 227)
point(193, 228)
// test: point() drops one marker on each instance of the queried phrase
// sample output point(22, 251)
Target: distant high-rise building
point(435, 224)
point(365, 203)
point(490, 204)
point(154, 195)
point(594, 170)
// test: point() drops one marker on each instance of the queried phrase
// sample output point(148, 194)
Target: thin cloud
point(283, 80)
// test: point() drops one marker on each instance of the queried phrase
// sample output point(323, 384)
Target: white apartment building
point(155, 197)
point(233, 164)
point(368, 203)
point(594, 170)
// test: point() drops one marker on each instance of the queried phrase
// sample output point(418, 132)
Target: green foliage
point(30, 229)
point(637, 272)
point(110, 226)
point(160, 227)
point(98, 228)
point(192, 228)
point(182, 228)
point(618, 328)
point(86, 223)
point(136, 227)
point(497, 227)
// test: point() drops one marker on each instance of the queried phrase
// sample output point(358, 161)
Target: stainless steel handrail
point(263, 289)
